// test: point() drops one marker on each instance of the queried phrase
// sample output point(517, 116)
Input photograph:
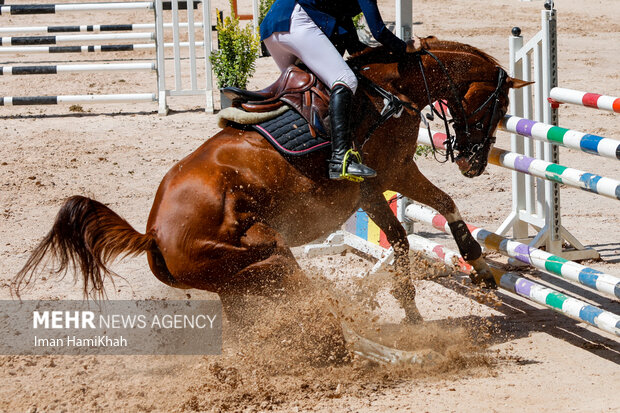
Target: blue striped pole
point(585, 142)
point(545, 296)
point(541, 169)
point(589, 277)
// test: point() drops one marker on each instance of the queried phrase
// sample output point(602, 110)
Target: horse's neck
point(447, 80)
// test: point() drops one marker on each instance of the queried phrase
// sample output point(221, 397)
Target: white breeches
point(309, 44)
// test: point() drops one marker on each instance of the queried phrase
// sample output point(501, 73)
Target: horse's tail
point(85, 236)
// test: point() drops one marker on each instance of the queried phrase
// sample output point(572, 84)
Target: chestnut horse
point(224, 218)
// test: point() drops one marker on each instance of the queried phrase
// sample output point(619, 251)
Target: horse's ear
point(517, 83)
point(424, 41)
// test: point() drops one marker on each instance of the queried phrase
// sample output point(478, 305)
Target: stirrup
point(345, 160)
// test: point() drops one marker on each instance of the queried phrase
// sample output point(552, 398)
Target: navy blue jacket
point(334, 18)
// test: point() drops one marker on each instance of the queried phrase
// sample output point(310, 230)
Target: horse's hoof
point(484, 277)
point(482, 274)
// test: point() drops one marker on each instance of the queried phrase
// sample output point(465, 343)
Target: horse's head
point(475, 118)
point(472, 83)
point(476, 90)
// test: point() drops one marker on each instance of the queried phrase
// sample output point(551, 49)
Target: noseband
point(475, 151)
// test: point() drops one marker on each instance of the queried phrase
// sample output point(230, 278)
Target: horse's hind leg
point(403, 289)
point(274, 273)
point(417, 187)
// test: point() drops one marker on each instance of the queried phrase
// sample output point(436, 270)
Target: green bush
point(358, 21)
point(235, 60)
point(263, 8)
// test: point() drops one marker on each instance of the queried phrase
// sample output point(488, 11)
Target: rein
point(393, 107)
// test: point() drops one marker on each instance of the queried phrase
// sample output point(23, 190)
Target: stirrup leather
point(344, 174)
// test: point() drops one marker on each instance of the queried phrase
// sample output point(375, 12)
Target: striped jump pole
point(91, 28)
point(585, 142)
point(524, 287)
point(69, 7)
point(54, 69)
point(75, 99)
point(541, 169)
point(91, 49)
point(559, 95)
point(40, 40)
point(589, 277)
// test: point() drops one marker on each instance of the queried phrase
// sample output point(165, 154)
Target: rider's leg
point(340, 119)
point(279, 52)
point(307, 42)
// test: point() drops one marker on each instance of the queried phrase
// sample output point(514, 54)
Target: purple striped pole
point(593, 144)
point(596, 280)
point(545, 296)
point(541, 169)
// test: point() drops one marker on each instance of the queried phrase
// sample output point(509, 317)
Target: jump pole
point(585, 142)
point(91, 49)
point(72, 7)
point(76, 99)
point(524, 287)
point(91, 28)
point(591, 100)
point(40, 40)
point(588, 277)
point(52, 70)
point(541, 169)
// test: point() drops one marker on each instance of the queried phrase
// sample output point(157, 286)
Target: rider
point(317, 32)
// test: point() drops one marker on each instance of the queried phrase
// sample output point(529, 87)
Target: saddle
point(295, 87)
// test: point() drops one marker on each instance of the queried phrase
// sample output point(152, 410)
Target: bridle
point(393, 107)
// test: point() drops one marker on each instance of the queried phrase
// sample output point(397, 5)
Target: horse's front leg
point(418, 188)
point(403, 289)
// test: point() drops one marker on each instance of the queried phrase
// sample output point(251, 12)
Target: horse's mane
point(382, 55)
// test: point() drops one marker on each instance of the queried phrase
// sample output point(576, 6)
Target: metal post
point(551, 152)
point(161, 60)
point(404, 19)
point(255, 13)
point(519, 227)
point(208, 47)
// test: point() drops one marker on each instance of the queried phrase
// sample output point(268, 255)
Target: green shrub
point(358, 21)
point(263, 8)
point(235, 60)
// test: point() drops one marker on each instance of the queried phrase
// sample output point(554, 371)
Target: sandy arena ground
point(516, 357)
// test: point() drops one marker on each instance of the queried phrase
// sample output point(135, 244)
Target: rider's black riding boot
point(339, 114)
